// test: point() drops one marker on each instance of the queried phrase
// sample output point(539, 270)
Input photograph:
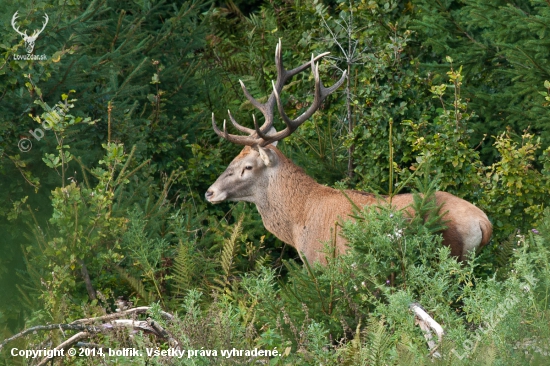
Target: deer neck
point(284, 202)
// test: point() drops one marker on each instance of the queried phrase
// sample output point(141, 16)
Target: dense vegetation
point(106, 209)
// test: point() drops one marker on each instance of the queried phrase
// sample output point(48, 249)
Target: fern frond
point(137, 285)
point(379, 342)
point(229, 250)
point(224, 286)
point(505, 250)
point(352, 353)
point(227, 259)
point(183, 268)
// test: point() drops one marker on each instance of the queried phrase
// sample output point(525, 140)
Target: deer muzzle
point(213, 196)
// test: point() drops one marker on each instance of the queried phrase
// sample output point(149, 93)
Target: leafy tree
point(120, 60)
point(503, 48)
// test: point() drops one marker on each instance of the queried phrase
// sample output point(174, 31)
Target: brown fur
point(302, 213)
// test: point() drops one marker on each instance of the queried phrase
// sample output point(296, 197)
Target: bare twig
point(138, 310)
point(164, 333)
point(426, 322)
point(106, 323)
point(69, 342)
point(30, 330)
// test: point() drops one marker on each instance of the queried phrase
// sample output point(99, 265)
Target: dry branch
point(69, 342)
point(138, 310)
point(426, 322)
point(105, 323)
point(49, 327)
point(165, 334)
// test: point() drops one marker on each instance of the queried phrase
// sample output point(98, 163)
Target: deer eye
point(248, 167)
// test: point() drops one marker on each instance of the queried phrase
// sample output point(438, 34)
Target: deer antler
point(36, 33)
point(258, 135)
point(13, 19)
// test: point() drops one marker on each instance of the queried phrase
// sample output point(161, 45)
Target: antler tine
point(287, 74)
point(290, 126)
point(37, 32)
point(306, 65)
point(239, 127)
point(13, 19)
point(236, 139)
point(281, 72)
point(249, 96)
point(259, 131)
point(282, 77)
point(320, 94)
point(216, 128)
point(265, 108)
point(336, 85)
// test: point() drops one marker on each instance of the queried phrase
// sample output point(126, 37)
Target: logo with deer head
point(29, 40)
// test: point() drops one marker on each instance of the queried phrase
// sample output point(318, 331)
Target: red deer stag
point(294, 207)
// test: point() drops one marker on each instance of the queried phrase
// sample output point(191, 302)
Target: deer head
point(29, 40)
point(246, 178)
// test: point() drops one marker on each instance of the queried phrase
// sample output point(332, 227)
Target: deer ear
point(264, 155)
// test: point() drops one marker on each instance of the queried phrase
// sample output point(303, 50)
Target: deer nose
point(208, 194)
